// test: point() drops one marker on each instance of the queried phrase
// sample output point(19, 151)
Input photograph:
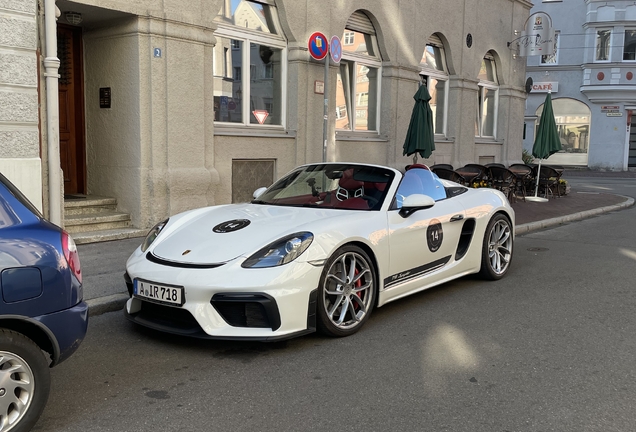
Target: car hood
point(222, 233)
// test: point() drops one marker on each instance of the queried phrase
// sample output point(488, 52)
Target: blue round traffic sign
point(318, 46)
point(335, 48)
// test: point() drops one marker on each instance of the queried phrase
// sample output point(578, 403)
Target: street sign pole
point(326, 111)
point(318, 46)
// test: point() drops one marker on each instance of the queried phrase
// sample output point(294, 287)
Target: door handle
point(457, 218)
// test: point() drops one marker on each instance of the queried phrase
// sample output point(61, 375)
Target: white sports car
point(319, 249)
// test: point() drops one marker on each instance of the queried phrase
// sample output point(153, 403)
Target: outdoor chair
point(446, 166)
point(473, 173)
point(494, 164)
point(558, 168)
point(482, 168)
point(503, 180)
point(525, 179)
point(548, 180)
point(451, 175)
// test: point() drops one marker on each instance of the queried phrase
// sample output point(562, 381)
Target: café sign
point(544, 87)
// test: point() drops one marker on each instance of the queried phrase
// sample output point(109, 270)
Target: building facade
point(591, 78)
point(181, 104)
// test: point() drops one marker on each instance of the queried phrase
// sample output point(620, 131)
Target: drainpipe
point(51, 68)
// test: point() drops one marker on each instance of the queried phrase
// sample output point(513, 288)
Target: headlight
point(152, 235)
point(280, 252)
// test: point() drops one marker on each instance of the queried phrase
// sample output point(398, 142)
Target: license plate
point(158, 292)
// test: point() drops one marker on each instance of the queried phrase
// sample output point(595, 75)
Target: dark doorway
point(71, 96)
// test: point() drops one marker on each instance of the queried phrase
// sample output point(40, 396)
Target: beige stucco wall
point(19, 135)
point(157, 149)
point(149, 149)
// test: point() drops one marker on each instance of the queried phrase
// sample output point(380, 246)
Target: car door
point(422, 245)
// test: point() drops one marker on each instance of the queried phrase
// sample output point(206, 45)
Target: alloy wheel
point(348, 290)
point(500, 246)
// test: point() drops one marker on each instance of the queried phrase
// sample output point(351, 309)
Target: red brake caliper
point(356, 306)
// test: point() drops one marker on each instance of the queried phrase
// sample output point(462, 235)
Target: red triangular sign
point(260, 115)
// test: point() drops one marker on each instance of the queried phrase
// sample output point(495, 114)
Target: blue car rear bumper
point(67, 330)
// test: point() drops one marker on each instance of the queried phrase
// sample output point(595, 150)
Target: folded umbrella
point(420, 137)
point(546, 142)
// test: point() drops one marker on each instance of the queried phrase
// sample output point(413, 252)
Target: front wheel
point(25, 382)
point(347, 292)
point(497, 248)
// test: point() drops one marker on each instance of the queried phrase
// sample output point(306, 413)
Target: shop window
point(358, 78)
point(434, 75)
point(552, 59)
point(603, 43)
point(629, 47)
point(249, 35)
point(488, 99)
point(573, 123)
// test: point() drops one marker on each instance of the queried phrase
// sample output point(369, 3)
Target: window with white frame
point(434, 75)
point(552, 59)
point(358, 78)
point(251, 47)
point(348, 38)
point(629, 45)
point(603, 43)
point(488, 99)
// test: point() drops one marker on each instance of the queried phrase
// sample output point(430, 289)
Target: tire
point(346, 295)
point(496, 253)
point(25, 382)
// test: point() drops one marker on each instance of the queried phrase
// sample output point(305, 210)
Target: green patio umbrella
point(547, 140)
point(420, 137)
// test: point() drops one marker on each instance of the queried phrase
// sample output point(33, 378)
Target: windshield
point(338, 186)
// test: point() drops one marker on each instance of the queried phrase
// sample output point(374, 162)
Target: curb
point(110, 303)
point(116, 302)
point(548, 223)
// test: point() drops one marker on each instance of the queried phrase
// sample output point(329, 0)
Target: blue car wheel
point(25, 382)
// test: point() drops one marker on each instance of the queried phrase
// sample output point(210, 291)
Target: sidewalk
point(103, 264)
point(532, 216)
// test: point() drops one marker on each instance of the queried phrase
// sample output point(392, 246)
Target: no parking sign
point(318, 46)
point(335, 48)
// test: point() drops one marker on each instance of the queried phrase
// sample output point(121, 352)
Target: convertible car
point(318, 250)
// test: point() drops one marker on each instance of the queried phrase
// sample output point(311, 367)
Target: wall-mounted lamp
point(73, 18)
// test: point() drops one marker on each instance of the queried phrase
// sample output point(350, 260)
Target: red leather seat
point(349, 192)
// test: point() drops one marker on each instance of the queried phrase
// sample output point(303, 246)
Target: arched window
point(573, 123)
point(488, 99)
point(434, 74)
point(358, 82)
point(250, 64)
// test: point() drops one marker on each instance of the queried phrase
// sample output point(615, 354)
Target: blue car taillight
point(71, 255)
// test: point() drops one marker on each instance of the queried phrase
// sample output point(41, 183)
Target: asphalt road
point(551, 347)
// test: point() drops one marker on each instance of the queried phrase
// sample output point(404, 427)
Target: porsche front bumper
point(228, 302)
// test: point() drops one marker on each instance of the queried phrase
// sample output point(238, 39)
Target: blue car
point(41, 309)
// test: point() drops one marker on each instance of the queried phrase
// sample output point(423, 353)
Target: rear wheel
point(25, 382)
point(497, 248)
point(347, 292)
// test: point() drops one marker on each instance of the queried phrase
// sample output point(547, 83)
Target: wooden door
point(71, 99)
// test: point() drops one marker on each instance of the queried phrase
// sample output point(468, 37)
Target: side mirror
point(415, 202)
point(258, 192)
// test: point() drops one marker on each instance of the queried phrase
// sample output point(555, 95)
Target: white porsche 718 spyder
point(319, 249)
